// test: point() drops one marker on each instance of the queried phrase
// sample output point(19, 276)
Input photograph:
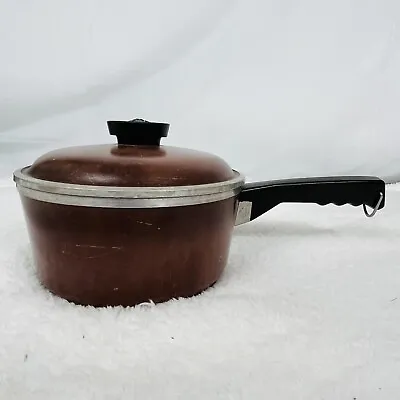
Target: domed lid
point(137, 160)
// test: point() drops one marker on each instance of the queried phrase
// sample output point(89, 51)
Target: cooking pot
point(136, 221)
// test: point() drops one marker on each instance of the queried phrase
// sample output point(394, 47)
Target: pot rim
point(125, 197)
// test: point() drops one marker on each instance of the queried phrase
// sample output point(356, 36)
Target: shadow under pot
point(132, 222)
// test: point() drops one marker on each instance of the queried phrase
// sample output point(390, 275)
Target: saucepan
point(137, 221)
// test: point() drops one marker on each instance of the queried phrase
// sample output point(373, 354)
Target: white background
point(278, 88)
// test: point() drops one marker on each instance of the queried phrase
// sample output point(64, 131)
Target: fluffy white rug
point(308, 308)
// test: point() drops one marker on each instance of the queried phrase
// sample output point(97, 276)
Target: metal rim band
point(125, 197)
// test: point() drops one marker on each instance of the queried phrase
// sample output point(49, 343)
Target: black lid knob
point(138, 132)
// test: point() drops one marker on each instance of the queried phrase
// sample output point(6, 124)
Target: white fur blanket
point(308, 308)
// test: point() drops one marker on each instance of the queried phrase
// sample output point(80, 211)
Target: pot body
point(125, 256)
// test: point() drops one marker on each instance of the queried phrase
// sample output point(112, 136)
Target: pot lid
point(136, 160)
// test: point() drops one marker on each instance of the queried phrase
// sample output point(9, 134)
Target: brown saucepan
point(126, 223)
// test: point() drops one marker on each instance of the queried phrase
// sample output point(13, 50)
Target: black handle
point(138, 132)
point(339, 190)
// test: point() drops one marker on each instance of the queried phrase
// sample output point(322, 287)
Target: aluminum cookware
point(137, 221)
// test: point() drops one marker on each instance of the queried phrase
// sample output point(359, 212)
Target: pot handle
point(257, 198)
